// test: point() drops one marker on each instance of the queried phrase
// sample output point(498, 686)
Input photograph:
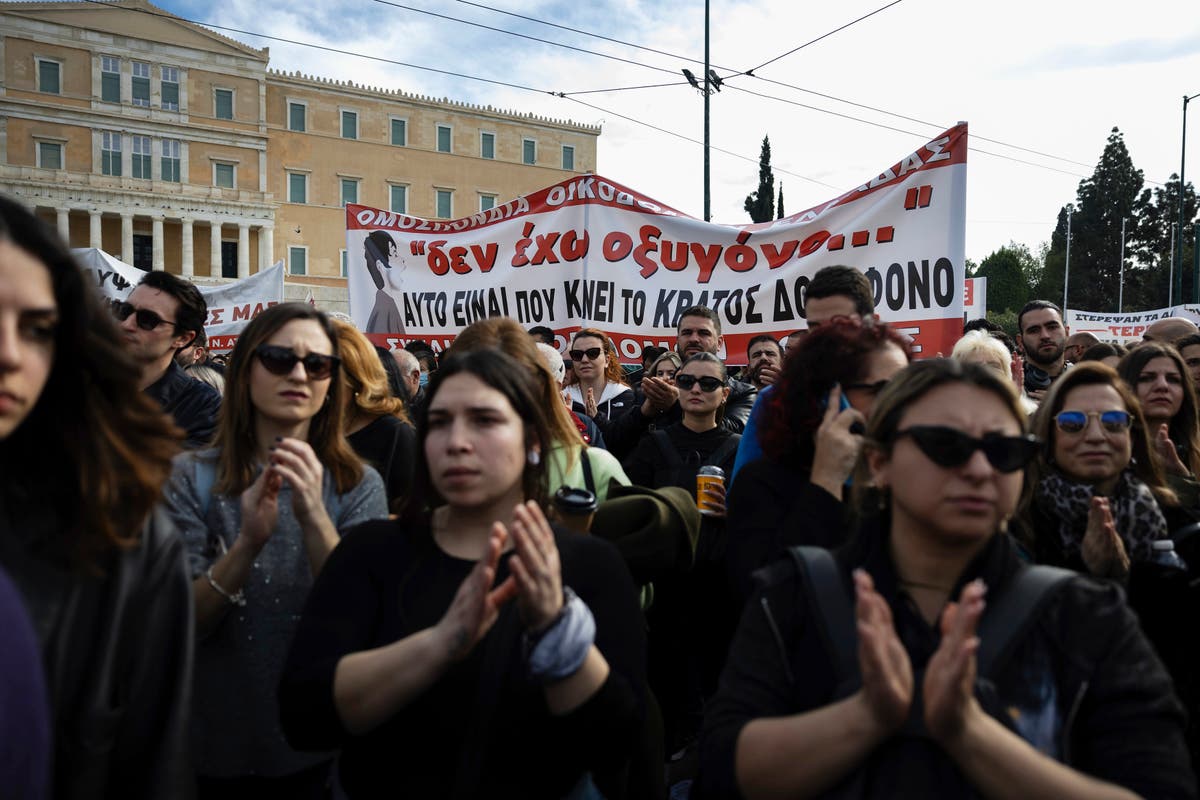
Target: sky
point(1042, 84)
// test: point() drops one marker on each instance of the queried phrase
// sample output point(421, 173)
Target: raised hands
point(589, 403)
point(476, 605)
point(294, 461)
point(1102, 550)
point(838, 443)
point(886, 670)
point(1167, 452)
point(535, 568)
point(949, 687)
point(260, 509)
point(660, 395)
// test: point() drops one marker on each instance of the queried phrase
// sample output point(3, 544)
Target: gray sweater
point(235, 713)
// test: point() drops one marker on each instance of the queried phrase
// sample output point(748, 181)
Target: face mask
point(424, 380)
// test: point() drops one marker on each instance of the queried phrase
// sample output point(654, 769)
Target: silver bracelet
point(238, 598)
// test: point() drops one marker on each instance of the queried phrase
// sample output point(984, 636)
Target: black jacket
point(118, 653)
point(1083, 675)
point(624, 431)
point(193, 404)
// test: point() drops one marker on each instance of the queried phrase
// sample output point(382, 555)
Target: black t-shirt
point(390, 446)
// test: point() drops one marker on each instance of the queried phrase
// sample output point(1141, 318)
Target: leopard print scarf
point(1135, 511)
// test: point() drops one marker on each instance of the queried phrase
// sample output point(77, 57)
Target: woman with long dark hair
point(84, 455)
point(925, 658)
point(469, 649)
point(260, 512)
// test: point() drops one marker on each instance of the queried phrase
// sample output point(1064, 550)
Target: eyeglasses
point(282, 360)
point(146, 319)
point(592, 353)
point(1076, 421)
point(950, 447)
point(870, 388)
point(707, 383)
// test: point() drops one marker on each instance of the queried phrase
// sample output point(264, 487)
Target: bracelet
point(238, 598)
point(560, 650)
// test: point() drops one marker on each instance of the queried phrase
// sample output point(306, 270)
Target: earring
point(534, 458)
point(883, 497)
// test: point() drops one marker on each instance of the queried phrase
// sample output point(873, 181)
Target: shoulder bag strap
point(589, 481)
point(1008, 617)
point(830, 605)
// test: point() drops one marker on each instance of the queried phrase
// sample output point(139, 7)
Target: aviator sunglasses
point(707, 383)
point(592, 353)
point(1076, 421)
point(282, 360)
point(950, 447)
point(145, 319)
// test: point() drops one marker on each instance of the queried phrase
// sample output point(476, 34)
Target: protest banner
point(591, 252)
point(975, 299)
point(230, 305)
point(1124, 328)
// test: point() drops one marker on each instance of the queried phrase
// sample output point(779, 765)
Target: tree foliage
point(760, 204)
point(779, 212)
point(1007, 271)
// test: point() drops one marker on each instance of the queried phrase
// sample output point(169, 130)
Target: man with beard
point(656, 403)
point(764, 357)
point(1043, 341)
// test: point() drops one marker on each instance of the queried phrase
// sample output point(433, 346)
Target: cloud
point(1114, 54)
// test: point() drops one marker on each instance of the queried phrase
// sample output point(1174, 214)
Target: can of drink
point(705, 477)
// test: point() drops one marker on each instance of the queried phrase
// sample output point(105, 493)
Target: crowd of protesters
point(320, 569)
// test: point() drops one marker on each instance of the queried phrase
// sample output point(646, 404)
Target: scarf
point(1138, 519)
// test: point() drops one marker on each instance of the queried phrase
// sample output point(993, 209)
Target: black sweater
point(384, 582)
point(390, 446)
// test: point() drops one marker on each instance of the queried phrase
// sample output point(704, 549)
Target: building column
point(64, 224)
point(243, 251)
point(94, 238)
point(266, 247)
point(127, 238)
point(188, 256)
point(156, 246)
point(214, 261)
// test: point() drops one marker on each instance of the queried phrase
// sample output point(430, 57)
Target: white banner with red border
point(1124, 328)
point(589, 252)
point(975, 299)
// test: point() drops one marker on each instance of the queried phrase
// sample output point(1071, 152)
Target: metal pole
point(1195, 263)
point(1067, 269)
point(1171, 271)
point(1182, 161)
point(1121, 286)
point(707, 92)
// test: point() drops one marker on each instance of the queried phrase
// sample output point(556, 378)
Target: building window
point(143, 252)
point(529, 151)
point(223, 103)
point(141, 157)
point(297, 187)
point(298, 260)
point(345, 264)
point(349, 124)
point(229, 259)
point(110, 153)
point(170, 88)
point(443, 138)
point(487, 202)
point(399, 199)
point(297, 117)
point(224, 175)
point(349, 191)
point(487, 145)
point(568, 157)
point(445, 203)
point(110, 79)
point(140, 84)
point(400, 132)
point(49, 76)
point(50, 155)
point(170, 160)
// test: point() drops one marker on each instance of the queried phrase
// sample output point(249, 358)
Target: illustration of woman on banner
point(378, 249)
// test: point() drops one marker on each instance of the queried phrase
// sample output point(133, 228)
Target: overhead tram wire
point(823, 36)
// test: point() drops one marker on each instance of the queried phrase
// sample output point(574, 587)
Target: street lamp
point(1067, 269)
point(1179, 248)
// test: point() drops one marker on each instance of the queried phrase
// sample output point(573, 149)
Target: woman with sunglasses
point(83, 457)
point(809, 430)
point(259, 513)
point(596, 383)
point(469, 649)
point(1076, 706)
point(377, 426)
point(1159, 376)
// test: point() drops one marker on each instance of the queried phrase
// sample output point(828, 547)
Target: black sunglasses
point(950, 447)
point(145, 319)
point(1110, 421)
point(282, 360)
point(707, 383)
point(592, 353)
point(870, 388)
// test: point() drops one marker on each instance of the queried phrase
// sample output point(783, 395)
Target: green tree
point(1102, 202)
point(1150, 243)
point(1007, 284)
point(779, 212)
point(760, 204)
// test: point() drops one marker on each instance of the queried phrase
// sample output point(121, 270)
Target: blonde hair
point(981, 343)
point(363, 375)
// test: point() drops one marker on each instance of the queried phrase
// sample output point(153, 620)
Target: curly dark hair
point(833, 353)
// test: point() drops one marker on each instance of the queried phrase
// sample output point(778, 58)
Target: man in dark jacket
point(163, 315)
point(656, 403)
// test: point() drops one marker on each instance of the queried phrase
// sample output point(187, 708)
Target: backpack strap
point(722, 452)
point(829, 603)
point(589, 481)
point(206, 476)
point(1010, 615)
